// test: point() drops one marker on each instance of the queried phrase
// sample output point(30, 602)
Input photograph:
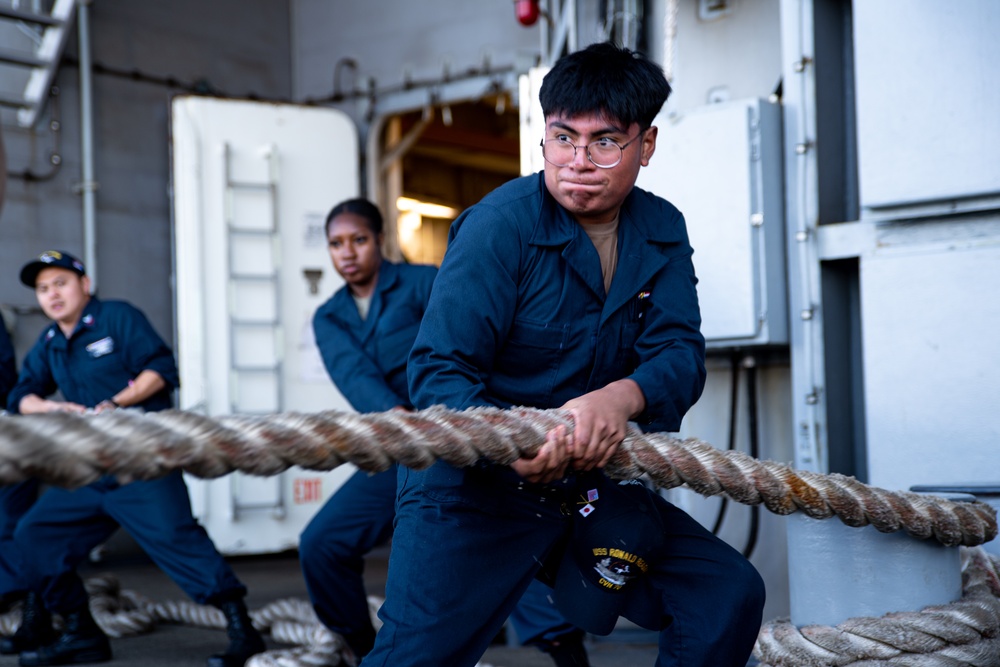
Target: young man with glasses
point(569, 289)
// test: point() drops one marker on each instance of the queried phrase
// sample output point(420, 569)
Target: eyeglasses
point(604, 152)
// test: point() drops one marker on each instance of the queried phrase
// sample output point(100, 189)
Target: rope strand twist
point(72, 450)
point(963, 633)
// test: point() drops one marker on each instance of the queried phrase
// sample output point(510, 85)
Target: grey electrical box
point(928, 106)
point(721, 166)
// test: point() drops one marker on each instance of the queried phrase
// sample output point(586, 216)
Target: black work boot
point(35, 629)
point(81, 642)
point(11, 599)
point(244, 639)
point(360, 643)
point(567, 650)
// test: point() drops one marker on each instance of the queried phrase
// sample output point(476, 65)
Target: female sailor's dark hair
point(358, 206)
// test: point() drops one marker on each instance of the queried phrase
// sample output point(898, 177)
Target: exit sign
point(307, 490)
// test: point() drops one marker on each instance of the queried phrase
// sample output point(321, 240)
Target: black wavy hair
point(603, 78)
point(359, 206)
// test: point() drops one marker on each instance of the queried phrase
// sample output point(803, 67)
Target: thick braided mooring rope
point(124, 613)
point(965, 633)
point(72, 450)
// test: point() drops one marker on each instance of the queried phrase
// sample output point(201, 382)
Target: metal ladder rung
point(8, 12)
point(13, 102)
point(248, 185)
point(44, 61)
point(262, 368)
point(24, 59)
point(250, 232)
point(250, 507)
point(254, 277)
point(253, 323)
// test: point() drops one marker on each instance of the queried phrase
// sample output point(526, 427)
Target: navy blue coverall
point(520, 316)
point(15, 499)
point(8, 369)
point(111, 345)
point(366, 359)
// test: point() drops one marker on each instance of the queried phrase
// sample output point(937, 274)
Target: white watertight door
point(252, 183)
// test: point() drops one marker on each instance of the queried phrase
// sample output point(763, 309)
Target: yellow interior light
point(425, 209)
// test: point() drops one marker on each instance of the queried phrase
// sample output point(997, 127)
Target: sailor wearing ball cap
point(102, 355)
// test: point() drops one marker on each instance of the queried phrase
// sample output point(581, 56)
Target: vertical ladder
point(40, 58)
point(255, 332)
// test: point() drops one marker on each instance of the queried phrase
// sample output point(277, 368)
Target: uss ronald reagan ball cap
point(601, 575)
point(50, 258)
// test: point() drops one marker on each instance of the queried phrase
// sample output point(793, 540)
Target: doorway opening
point(460, 153)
